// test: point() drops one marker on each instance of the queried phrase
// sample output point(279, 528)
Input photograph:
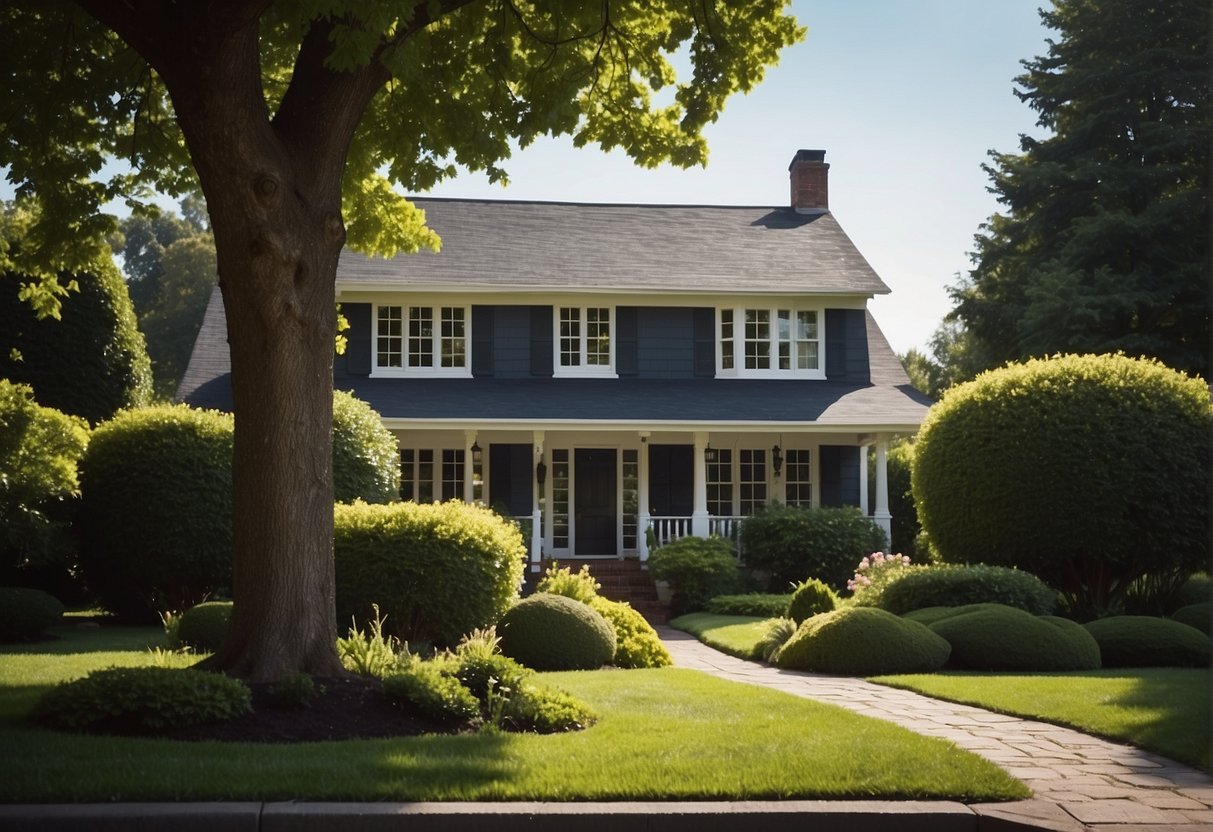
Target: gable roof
point(502, 245)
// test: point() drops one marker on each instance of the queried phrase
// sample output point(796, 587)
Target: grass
point(665, 734)
point(1165, 710)
point(737, 635)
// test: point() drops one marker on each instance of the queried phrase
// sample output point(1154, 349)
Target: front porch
point(610, 494)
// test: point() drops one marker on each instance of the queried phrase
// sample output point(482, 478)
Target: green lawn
point(664, 734)
point(736, 635)
point(1160, 709)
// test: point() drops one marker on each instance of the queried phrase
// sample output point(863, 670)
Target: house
point(621, 375)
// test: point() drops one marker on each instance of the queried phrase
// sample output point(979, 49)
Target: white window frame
point(583, 369)
point(774, 342)
point(436, 340)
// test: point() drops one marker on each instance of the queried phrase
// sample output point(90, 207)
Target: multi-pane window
point(752, 480)
point(584, 338)
point(770, 342)
point(631, 497)
point(417, 475)
point(798, 478)
point(720, 483)
point(421, 338)
point(452, 474)
point(560, 499)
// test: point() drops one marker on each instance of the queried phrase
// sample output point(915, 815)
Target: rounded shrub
point(905, 530)
point(204, 627)
point(636, 642)
point(863, 641)
point(756, 604)
point(697, 569)
point(791, 543)
point(958, 585)
point(366, 461)
point(552, 632)
point(810, 598)
point(1197, 589)
point(1088, 471)
point(1199, 616)
point(92, 360)
point(156, 510)
point(998, 637)
point(138, 699)
point(436, 571)
point(1142, 641)
point(27, 613)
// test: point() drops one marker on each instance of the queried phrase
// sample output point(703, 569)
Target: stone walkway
point(1079, 781)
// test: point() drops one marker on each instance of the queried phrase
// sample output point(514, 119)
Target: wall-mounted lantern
point(477, 453)
point(710, 454)
point(777, 459)
point(541, 473)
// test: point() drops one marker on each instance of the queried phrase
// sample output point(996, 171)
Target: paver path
point(1095, 782)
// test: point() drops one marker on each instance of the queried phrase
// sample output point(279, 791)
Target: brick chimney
point(810, 181)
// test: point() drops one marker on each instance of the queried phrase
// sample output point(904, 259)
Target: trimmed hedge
point(792, 543)
point(1199, 616)
point(92, 361)
point(998, 637)
point(636, 642)
point(697, 569)
point(958, 585)
point(138, 699)
point(27, 613)
point(757, 604)
point(1088, 471)
point(156, 510)
point(436, 571)
point(811, 598)
point(366, 461)
point(1142, 641)
point(554, 632)
point(863, 641)
point(204, 627)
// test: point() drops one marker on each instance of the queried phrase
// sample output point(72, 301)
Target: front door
point(594, 489)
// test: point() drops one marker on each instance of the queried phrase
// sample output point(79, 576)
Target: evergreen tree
point(1104, 245)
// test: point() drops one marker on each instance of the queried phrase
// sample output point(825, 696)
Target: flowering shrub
point(874, 571)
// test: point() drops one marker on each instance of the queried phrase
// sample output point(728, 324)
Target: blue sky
point(905, 97)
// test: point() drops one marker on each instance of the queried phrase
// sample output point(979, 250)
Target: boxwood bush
point(436, 571)
point(792, 543)
point(553, 632)
point(697, 569)
point(155, 516)
point(863, 641)
point(366, 461)
point(757, 604)
point(27, 613)
point(811, 598)
point(636, 642)
point(138, 699)
point(998, 637)
point(1199, 616)
point(204, 627)
point(954, 585)
point(1143, 641)
point(1088, 471)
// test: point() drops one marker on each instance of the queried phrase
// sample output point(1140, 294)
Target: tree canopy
point(299, 120)
point(1104, 243)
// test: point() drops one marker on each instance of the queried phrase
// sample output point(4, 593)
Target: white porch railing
point(668, 529)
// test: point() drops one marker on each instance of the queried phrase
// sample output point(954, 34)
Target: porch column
point(881, 515)
point(469, 474)
point(863, 479)
point(537, 494)
point(699, 514)
point(642, 497)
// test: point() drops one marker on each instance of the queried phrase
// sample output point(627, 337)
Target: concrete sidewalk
point(1079, 781)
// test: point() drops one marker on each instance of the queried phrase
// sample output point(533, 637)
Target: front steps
point(622, 580)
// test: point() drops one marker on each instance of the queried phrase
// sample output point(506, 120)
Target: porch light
point(777, 459)
point(541, 473)
point(477, 453)
point(710, 454)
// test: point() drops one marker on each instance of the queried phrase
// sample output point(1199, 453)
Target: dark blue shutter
point(705, 342)
point(357, 338)
point(836, 344)
point(541, 340)
point(627, 346)
point(482, 340)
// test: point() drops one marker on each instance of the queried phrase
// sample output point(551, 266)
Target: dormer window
point(422, 339)
point(762, 342)
point(583, 341)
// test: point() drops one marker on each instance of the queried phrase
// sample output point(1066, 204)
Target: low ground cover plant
point(956, 585)
point(1143, 641)
point(27, 613)
point(791, 543)
point(553, 632)
point(998, 637)
point(697, 569)
point(862, 641)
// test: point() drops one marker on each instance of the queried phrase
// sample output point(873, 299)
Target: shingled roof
point(507, 245)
